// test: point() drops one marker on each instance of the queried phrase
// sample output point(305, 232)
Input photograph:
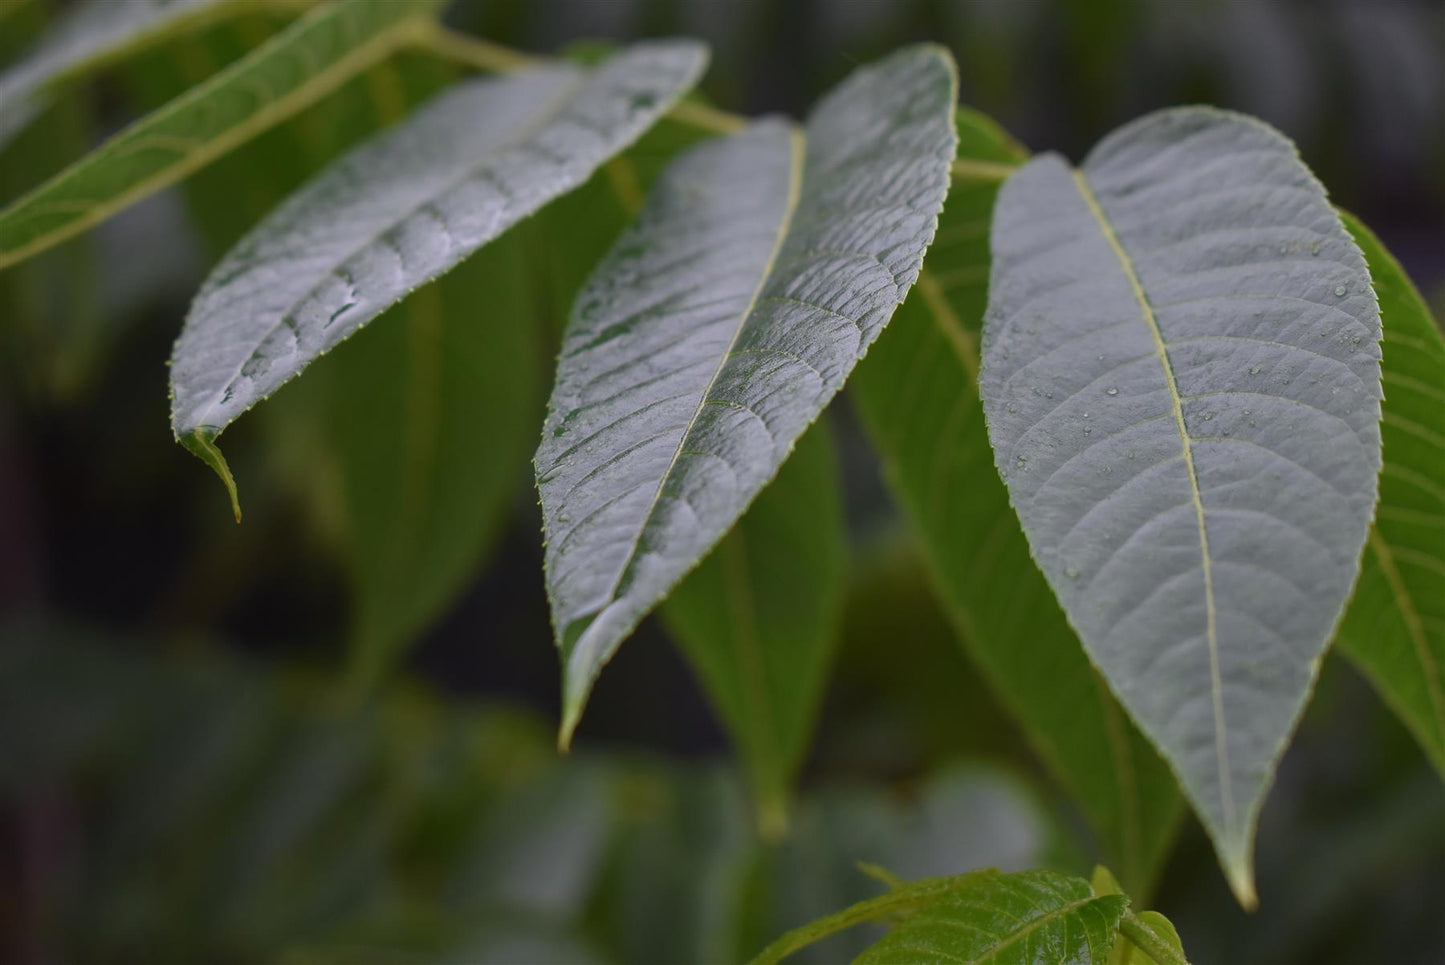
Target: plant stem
point(971, 170)
point(1148, 941)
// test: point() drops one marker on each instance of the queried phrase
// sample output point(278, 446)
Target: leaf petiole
point(1148, 941)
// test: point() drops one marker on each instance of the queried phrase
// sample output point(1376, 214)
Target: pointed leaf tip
point(203, 446)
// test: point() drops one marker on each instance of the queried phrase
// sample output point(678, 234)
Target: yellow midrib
point(1221, 745)
point(795, 181)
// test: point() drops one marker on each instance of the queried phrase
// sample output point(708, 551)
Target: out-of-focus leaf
point(400, 211)
point(1182, 382)
point(762, 267)
point(919, 401)
point(1015, 919)
point(88, 36)
point(1394, 627)
point(305, 62)
point(758, 619)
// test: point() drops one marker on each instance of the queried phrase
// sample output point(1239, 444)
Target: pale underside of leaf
point(401, 210)
point(918, 398)
point(762, 268)
point(1014, 919)
point(1395, 625)
point(1181, 375)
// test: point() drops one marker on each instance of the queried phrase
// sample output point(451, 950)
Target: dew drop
point(1284, 249)
point(1087, 430)
point(1209, 417)
point(1315, 249)
point(1340, 291)
point(1132, 453)
point(1111, 390)
point(1023, 460)
point(1254, 370)
point(1071, 572)
point(1012, 407)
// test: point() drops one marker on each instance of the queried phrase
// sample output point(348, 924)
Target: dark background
point(106, 525)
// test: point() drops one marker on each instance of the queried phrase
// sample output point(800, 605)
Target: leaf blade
point(1148, 258)
point(752, 220)
point(1394, 628)
point(334, 42)
point(918, 398)
point(758, 619)
point(430, 192)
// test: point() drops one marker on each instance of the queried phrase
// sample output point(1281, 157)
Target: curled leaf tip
point(203, 446)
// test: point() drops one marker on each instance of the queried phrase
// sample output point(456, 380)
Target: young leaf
point(401, 210)
point(918, 399)
point(1015, 919)
point(1181, 377)
point(1161, 929)
point(1395, 625)
point(758, 619)
point(761, 269)
point(89, 35)
point(295, 68)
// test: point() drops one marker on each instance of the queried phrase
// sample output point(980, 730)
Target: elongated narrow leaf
point(401, 210)
point(297, 67)
point(89, 35)
point(758, 619)
point(1016, 919)
point(1182, 380)
point(761, 269)
point(1395, 625)
point(918, 397)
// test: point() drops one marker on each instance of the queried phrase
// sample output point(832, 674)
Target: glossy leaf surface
point(762, 267)
point(1015, 919)
point(305, 62)
point(401, 210)
point(758, 619)
point(1181, 378)
point(1395, 625)
point(918, 397)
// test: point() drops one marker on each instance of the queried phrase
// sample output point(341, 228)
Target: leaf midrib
point(1216, 689)
point(1413, 626)
point(555, 108)
point(798, 150)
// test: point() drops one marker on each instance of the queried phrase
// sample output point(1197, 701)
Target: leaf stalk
point(1148, 941)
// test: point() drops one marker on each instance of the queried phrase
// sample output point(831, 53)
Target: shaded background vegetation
point(182, 778)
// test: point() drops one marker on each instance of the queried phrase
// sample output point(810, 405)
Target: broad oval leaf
point(295, 68)
point(1395, 625)
point(399, 211)
point(918, 398)
point(1182, 380)
point(758, 620)
point(760, 270)
point(91, 34)
point(1013, 919)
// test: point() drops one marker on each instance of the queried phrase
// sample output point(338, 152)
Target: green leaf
point(297, 67)
point(432, 414)
point(1126, 952)
point(759, 618)
point(1016, 919)
point(1181, 378)
point(401, 210)
point(1394, 628)
point(918, 398)
point(762, 267)
point(90, 35)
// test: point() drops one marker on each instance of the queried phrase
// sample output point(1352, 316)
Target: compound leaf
point(918, 398)
point(295, 68)
point(1395, 625)
point(761, 268)
point(400, 210)
point(758, 619)
point(1181, 373)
